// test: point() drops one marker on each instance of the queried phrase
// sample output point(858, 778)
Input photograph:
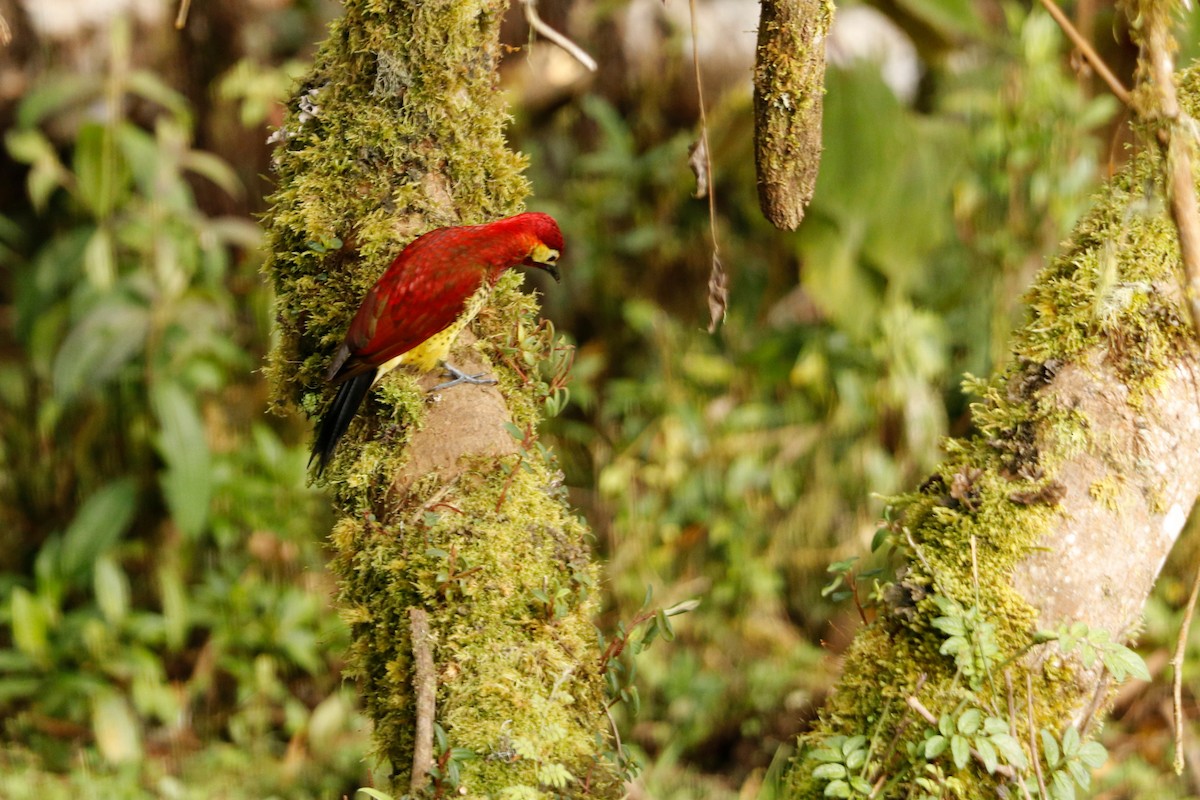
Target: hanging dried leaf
point(718, 294)
point(789, 81)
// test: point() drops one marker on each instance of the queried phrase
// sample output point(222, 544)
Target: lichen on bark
point(1072, 490)
point(399, 128)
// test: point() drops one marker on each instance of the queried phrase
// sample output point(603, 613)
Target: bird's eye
point(541, 254)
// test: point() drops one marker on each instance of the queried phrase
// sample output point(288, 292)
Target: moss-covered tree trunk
point(399, 128)
point(1027, 558)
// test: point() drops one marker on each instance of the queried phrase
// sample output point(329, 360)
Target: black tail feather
point(337, 418)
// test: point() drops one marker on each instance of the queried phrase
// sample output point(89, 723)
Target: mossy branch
point(398, 128)
point(1084, 464)
point(789, 91)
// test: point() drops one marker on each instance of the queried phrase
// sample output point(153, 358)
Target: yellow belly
point(428, 354)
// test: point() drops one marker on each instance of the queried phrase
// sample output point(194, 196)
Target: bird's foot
point(461, 377)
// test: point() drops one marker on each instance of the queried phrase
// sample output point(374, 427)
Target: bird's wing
point(421, 294)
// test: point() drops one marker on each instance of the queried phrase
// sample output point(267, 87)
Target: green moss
point(512, 666)
point(1110, 295)
point(399, 128)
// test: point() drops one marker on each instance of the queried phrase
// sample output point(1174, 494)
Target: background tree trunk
point(399, 128)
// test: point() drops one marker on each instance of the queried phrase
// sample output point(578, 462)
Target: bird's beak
point(553, 270)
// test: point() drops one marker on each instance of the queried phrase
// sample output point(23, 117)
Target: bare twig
point(919, 707)
point(979, 604)
point(616, 732)
point(897, 735)
point(539, 25)
point(1177, 663)
point(1085, 47)
point(1012, 725)
point(426, 690)
point(1098, 696)
point(1033, 748)
point(181, 17)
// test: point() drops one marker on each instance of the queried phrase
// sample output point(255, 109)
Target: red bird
point(412, 314)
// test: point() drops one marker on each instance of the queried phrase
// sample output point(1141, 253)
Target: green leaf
point(1087, 655)
point(881, 536)
point(934, 746)
point(555, 775)
point(116, 729)
point(855, 759)
point(1122, 662)
point(988, 754)
point(99, 259)
point(29, 146)
point(187, 481)
point(666, 630)
point(854, 743)
point(1050, 748)
point(46, 171)
point(1010, 749)
point(374, 794)
point(969, 721)
point(52, 96)
point(1079, 773)
point(828, 772)
point(98, 347)
point(951, 626)
point(142, 154)
point(175, 609)
point(1070, 742)
point(1061, 786)
point(18, 689)
point(952, 19)
point(826, 755)
point(995, 725)
point(682, 607)
point(216, 170)
point(838, 788)
point(111, 587)
point(960, 751)
point(1093, 754)
point(99, 172)
point(98, 525)
point(150, 87)
point(30, 624)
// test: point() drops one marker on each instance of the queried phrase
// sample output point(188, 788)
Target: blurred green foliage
point(734, 468)
point(160, 583)
point(165, 625)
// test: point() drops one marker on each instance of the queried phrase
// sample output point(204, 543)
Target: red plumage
point(434, 286)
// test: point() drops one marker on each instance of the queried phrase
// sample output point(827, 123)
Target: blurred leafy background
point(166, 625)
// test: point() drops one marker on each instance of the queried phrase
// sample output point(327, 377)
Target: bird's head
point(547, 243)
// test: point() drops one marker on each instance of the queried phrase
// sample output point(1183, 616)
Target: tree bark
point(789, 89)
point(1059, 511)
point(397, 129)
